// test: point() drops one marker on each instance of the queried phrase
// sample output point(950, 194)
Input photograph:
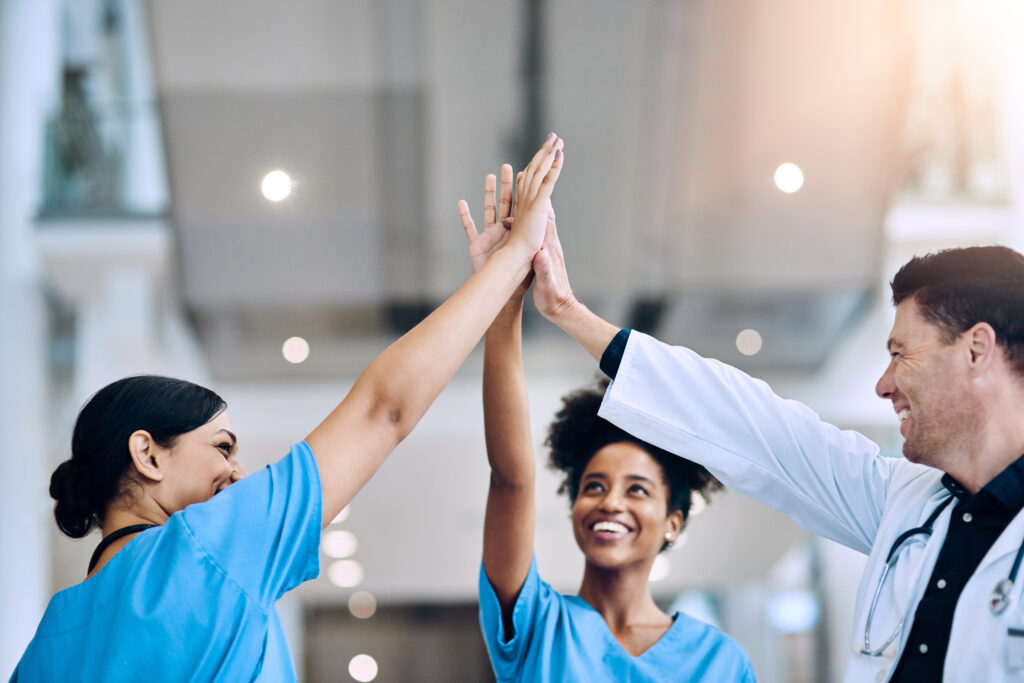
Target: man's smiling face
point(927, 382)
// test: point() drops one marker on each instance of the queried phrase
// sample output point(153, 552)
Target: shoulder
point(536, 597)
point(912, 485)
point(293, 478)
point(707, 643)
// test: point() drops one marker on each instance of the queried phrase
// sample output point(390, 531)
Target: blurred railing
point(103, 161)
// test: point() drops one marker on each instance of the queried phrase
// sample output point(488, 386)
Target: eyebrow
point(234, 439)
point(631, 477)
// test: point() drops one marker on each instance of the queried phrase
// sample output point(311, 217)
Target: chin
point(918, 455)
point(611, 562)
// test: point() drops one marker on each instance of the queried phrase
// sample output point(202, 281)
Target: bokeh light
point(295, 349)
point(363, 668)
point(748, 342)
point(789, 178)
point(345, 573)
point(362, 605)
point(338, 543)
point(276, 186)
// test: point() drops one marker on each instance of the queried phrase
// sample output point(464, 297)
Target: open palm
point(496, 215)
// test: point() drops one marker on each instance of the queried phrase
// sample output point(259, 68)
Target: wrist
point(519, 249)
point(511, 313)
point(568, 308)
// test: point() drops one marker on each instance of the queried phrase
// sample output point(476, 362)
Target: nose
point(612, 501)
point(237, 471)
point(886, 386)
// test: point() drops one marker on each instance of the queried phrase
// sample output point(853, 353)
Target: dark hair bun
point(75, 513)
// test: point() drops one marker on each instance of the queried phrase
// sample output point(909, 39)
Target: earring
point(668, 536)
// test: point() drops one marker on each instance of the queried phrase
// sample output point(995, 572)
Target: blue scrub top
point(562, 639)
point(192, 600)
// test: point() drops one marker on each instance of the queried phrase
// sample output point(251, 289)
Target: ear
point(146, 454)
point(982, 345)
point(674, 523)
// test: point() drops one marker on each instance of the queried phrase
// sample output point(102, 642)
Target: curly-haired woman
point(630, 501)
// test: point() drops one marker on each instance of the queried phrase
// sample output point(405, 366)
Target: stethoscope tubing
point(1001, 594)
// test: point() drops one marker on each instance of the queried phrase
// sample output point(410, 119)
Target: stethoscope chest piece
point(1001, 596)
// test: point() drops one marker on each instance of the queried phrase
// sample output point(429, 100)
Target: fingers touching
point(522, 213)
point(543, 169)
point(519, 193)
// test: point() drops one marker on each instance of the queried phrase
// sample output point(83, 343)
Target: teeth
point(904, 414)
point(613, 527)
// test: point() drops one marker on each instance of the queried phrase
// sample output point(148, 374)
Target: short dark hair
point(957, 288)
point(94, 475)
point(578, 432)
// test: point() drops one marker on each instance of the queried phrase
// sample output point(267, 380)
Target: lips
point(903, 413)
point(609, 530)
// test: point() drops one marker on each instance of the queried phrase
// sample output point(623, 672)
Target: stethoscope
point(1000, 594)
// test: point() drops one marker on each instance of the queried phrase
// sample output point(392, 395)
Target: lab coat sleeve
point(832, 482)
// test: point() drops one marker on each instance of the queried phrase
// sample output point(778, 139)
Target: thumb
point(542, 263)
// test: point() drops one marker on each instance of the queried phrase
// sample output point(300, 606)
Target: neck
point(119, 515)
point(976, 473)
point(997, 443)
point(621, 596)
point(143, 511)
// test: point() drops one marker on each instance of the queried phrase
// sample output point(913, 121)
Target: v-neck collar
point(668, 635)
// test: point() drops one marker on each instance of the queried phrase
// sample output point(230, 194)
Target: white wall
point(28, 51)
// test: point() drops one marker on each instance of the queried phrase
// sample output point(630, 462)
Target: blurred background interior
point(260, 196)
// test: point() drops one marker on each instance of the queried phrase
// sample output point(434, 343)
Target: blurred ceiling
point(386, 112)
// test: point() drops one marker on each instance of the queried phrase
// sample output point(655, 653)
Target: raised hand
point(552, 293)
point(533, 195)
point(496, 219)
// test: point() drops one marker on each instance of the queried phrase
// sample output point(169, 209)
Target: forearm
point(833, 483)
point(395, 390)
point(410, 374)
point(506, 409)
point(509, 519)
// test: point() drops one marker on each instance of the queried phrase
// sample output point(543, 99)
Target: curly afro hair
point(577, 433)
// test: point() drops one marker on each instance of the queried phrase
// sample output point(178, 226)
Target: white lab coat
point(833, 483)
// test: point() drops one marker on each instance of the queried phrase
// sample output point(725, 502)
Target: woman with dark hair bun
point(195, 554)
point(629, 501)
point(163, 407)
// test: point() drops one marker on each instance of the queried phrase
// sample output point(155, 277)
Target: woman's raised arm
point(395, 390)
point(510, 517)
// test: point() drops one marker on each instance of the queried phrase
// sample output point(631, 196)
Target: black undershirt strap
point(113, 536)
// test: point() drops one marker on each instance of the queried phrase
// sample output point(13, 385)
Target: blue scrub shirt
point(562, 639)
point(192, 600)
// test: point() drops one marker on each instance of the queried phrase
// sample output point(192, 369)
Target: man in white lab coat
point(940, 598)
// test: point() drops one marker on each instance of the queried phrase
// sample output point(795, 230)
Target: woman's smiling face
point(620, 516)
point(201, 463)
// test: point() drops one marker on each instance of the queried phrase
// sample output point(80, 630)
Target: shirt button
point(941, 583)
point(968, 517)
point(923, 649)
